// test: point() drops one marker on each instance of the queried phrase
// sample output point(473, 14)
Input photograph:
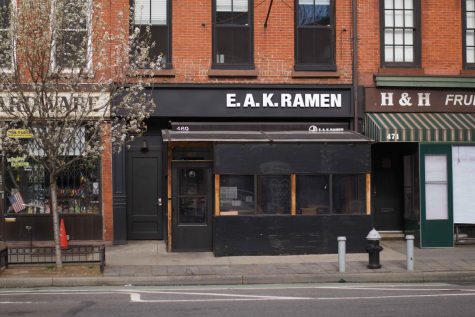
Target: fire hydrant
point(373, 248)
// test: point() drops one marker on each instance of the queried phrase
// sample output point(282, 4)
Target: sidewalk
point(147, 263)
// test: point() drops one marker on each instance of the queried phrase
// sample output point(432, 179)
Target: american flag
point(17, 202)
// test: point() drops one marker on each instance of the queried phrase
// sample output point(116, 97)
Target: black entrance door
point(144, 206)
point(388, 188)
point(192, 207)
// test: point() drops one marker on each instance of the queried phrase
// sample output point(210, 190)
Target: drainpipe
point(354, 8)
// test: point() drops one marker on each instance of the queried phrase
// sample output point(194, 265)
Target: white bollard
point(341, 254)
point(410, 252)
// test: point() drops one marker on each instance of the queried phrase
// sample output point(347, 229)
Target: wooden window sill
point(315, 74)
point(153, 73)
point(232, 73)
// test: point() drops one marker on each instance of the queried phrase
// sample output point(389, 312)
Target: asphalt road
point(382, 300)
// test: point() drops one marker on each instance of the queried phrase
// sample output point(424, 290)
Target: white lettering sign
point(269, 100)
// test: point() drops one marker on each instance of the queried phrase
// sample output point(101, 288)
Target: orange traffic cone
point(63, 239)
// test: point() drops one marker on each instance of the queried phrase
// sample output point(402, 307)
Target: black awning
point(265, 136)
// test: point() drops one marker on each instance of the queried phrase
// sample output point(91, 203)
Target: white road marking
point(393, 296)
point(1, 303)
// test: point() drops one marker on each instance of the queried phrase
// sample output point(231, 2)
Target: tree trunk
point(54, 210)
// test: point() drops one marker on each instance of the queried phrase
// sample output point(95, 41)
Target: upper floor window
point(6, 41)
point(314, 35)
point(152, 19)
point(72, 34)
point(400, 34)
point(232, 37)
point(469, 33)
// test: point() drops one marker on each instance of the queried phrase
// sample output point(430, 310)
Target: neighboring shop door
point(144, 194)
point(437, 228)
point(192, 207)
point(387, 189)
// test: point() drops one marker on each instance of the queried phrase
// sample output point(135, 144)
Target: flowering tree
point(69, 86)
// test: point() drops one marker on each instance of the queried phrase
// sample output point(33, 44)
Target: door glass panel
point(436, 187)
point(192, 181)
point(192, 210)
point(436, 202)
point(436, 168)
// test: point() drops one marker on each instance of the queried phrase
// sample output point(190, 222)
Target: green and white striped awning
point(420, 127)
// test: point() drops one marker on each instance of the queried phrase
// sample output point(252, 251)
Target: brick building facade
point(416, 67)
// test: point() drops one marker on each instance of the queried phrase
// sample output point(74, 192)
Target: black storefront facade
point(246, 170)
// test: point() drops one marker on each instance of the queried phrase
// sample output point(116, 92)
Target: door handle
point(159, 202)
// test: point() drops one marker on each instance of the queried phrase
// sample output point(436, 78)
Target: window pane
point(436, 168)
point(436, 202)
point(399, 18)
point(388, 54)
point(470, 38)
point(160, 38)
point(158, 13)
point(192, 181)
point(240, 5)
point(398, 37)
point(408, 4)
point(232, 12)
point(192, 210)
point(388, 18)
point(4, 14)
point(232, 45)
point(388, 37)
point(470, 20)
point(408, 37)
point(470, 55)
point(313, 194)
point(156, 34)
point(142, 12)
point(349, 194)
point(314, 14)
point(409, 19)
point(5, 50)
point(73, 14)
point(409, 54)
point(274, 194)
point(236, 194)
point(224, 5)
point(399, 54)
point(315, 46)
point(388, 4)
point(71, 49)
point(398, 4)
point(470, 5)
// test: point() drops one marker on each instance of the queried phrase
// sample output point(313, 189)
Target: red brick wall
point(273, 46)
point(441, 39)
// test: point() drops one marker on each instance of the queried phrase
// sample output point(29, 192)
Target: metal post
point(341, 254)
point(410, 252)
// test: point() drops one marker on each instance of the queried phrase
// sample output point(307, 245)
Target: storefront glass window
point(313, 194)
point(27, 188)
point(349, 194)
point(273, 194)
point(237, 194)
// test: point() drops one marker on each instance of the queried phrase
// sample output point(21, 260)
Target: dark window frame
point(12, 5)
point(168, 64)
point(88, 59)
point(245, 66)
point(465, 64)
point(416, 40)
point(319, 66)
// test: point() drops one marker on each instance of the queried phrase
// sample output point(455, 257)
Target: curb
point(416, 277)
